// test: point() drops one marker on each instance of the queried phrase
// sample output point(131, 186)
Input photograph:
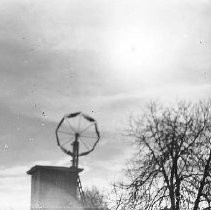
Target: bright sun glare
point(135, 55)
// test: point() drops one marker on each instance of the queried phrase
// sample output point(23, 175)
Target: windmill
point(77, 135)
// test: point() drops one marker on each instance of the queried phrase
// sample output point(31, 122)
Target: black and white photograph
point(105, 104)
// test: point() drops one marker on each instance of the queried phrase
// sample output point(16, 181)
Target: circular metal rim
point(87, 117)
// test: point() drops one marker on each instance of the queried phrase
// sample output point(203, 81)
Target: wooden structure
point(54, 187)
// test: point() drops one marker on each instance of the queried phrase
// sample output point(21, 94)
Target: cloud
point(41, 64)
point(24, 139)
point(15, 187)
point(108, 167)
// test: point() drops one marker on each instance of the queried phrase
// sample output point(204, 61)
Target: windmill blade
point(88, 118)
point(73, 114)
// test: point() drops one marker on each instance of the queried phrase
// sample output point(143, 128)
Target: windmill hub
point(77, 135)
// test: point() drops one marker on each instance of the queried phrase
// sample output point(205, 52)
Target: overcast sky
point(106, 58)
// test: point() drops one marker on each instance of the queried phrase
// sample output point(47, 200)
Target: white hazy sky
point(106, 58)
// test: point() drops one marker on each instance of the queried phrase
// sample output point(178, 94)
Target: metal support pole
point(75, 151)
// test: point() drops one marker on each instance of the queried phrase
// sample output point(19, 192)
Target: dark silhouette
point(95, 200)
point(172, 164)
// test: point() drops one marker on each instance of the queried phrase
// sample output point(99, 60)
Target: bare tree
point(117, 197)
point(171, 168)
point(94, 199)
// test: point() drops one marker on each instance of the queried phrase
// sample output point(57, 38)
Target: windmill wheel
point(77, 127)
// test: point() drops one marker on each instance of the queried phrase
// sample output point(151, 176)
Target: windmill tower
point(60, 187)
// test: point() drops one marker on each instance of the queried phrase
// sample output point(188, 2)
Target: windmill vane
point(77, 135)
